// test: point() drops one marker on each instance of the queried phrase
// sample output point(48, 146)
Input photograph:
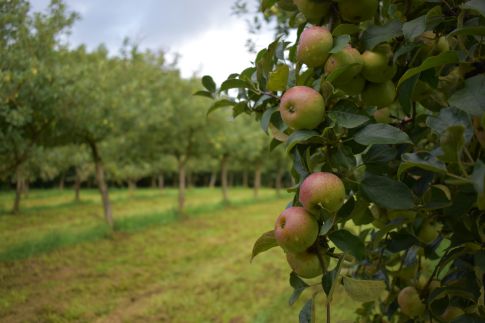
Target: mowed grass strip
point(196, 270)
point(69, 235)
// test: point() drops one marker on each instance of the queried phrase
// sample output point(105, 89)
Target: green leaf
point(477, 5)
point(346, 114)
point(306, 312)
point(451, 143)
point(468, 30)
point(337, 72)
point(266, 4)
point(387, 192)
point(266, 118)
point(379, 154)
point(478, 177)
point(405, 94)
point(278, 79)
point(471, 98)
point(363, 290)
point(379, 133)
point(298, 287)
point(348, 243)
point(206, 94)
point(413, 28)
point(421, 160)
point(340, 43)
point(234, 83)
point(265, 242)
point(301, 136)
point(450, 117)
point(330, 279)
point(209, 83)
point(220, 104)
point(343, 29)
point(449, 57)
point(375, 35)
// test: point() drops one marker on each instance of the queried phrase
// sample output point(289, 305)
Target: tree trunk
point(190, 178)
point(26, 187)
point(257, 179)
point(18, 191)
point(212, 182)
point(131, 185)
point(231, 178)
point(181, 197)
point(153, 183)
point(224, 186)
point(279, 181)
point(161, 182)
point(102, 186)
point(77, 187)
point(61, 182)
point(245, 178)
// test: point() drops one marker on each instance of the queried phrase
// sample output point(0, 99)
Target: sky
point(208, 38)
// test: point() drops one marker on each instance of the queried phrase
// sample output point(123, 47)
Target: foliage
point(421, 171)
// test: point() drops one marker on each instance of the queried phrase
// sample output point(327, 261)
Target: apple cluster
point(297, 228)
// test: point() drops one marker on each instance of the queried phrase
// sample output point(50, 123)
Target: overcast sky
point(208, 38)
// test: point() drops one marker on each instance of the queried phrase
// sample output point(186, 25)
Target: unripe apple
point(287, 5)
point(409, 302)
point(357, 10)
point(451, 313)
point(302, 107)
point(322, 190)
point(353, 87)
point(405, 214)
point(377, 67)
point(379, 94)
point(383, 115)
point(347, 56)
point(296, 229)
point(313, 10)
point(304, 264)
point(314, 46)
point(428, 232)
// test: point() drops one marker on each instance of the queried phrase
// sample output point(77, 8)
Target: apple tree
point(380, 106)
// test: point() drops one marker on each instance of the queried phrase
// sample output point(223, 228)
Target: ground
point(59, 263)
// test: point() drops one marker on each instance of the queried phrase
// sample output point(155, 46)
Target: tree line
point(79, 114)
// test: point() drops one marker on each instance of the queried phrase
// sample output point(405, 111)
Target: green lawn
point(150, 269)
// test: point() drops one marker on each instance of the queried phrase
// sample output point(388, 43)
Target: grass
point(196, 270)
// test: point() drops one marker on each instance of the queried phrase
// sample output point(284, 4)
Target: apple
point(409, 302)
point(314, 46)
point(287, 5)
point(296, 229)
point(313, 10)
point(377, 67)
point(302, 107)
point(342, 60)
point(428, 232)
point(357, 10)
point(379, 94)
point(405, 214)
point(355, 86)
point(451, 313)
point(322, 190)
point(383, 115)
point(304, 264)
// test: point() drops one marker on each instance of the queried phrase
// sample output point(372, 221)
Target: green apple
point(379, 94)
point(349, 60)
point(304, 264)
point(357, 10)
point(451, 313)
point(428, 232)
point(296, 229)
point(377, 67)
point(409, 302)
point(302, 107)
point(322, 190)
point(313, 10)
point(383, 115)
point(353, 87)
point(314, 46)
point(287, 5)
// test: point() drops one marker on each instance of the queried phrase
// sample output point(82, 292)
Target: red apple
point(302, 107)
point(296, 229)
point(322, 190)
point(314, 46)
